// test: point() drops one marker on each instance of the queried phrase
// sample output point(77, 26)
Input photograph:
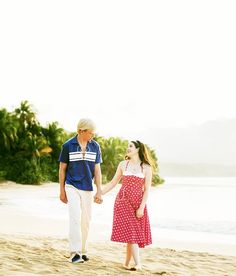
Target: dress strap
point(126, 165)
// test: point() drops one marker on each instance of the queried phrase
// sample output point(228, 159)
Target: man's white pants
point(80, 209)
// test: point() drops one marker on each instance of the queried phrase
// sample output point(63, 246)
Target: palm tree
point(26, 116)
point(8, 130)
point(55, 137)
point(113, 151)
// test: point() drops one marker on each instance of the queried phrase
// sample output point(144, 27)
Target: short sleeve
point(64, 155)
point(98, 156)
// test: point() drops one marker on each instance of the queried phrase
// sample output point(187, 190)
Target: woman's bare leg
point(128, 254)
point(135, 254)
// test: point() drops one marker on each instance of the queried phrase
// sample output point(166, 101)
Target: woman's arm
point(114, 180)
point(147, 185)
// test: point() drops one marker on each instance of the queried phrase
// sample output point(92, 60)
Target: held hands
point(98, 198)
point(139, 212)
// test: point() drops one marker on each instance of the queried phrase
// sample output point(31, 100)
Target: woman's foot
point(136, 268)
point(127, 267)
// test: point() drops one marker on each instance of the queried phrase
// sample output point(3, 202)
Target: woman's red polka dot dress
point(127, 227)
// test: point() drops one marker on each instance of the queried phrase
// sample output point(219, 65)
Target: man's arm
point(98, 182)
point(62, 177)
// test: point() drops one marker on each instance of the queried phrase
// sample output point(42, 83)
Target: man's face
point(87, 134)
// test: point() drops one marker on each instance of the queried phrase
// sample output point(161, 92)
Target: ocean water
point(183, 210)
point(195, 204)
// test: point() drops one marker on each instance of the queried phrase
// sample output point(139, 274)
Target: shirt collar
point(75, 141)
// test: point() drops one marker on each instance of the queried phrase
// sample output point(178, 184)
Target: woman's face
point(131, 150)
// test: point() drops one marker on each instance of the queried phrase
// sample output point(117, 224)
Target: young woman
point(130, 219)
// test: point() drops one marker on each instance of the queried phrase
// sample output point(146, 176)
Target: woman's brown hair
point(144, 155)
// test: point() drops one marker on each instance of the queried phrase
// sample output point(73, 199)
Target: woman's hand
point(139, 212)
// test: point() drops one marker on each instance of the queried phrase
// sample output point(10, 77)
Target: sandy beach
point(32, 244)
point(27, 255)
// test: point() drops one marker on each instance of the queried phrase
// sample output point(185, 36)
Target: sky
point(128, 65)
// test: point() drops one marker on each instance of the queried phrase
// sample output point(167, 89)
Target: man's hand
point(98, 198)
point(63, 197)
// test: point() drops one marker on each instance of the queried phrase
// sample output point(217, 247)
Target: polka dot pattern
point(126, 226)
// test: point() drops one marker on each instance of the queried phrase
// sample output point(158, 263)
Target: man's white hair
point(85, 123)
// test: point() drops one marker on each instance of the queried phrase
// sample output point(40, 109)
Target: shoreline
point(24, 209)
point(34, 242)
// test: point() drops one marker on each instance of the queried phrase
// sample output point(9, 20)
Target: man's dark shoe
point(77, 259)
point(85, 258)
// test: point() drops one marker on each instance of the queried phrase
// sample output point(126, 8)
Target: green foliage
point(49, 168)
point(23, 170)
point(2, 175)
point(156, 179)
point(8, 131)
point(113, 151)
point(29, 152)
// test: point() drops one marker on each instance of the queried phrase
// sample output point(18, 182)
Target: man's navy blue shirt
point(80, 168)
